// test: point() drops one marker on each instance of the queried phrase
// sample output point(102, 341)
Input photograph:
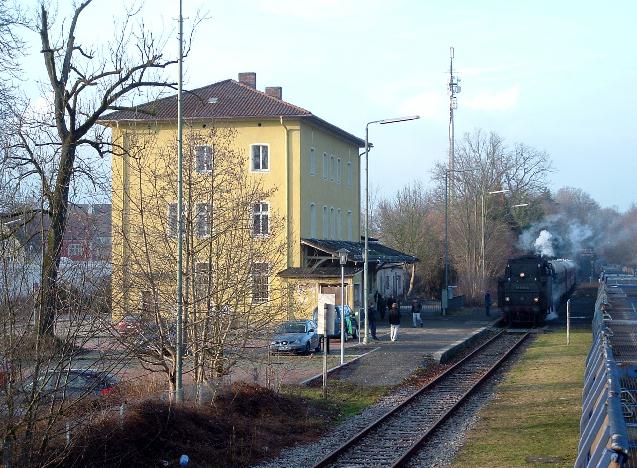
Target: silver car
point(295, 336)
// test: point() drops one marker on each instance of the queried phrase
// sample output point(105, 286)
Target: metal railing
point(603, 432)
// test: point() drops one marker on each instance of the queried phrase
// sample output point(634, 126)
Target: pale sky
point(555, 75)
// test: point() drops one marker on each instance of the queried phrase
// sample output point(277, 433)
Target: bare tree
point(489, 166)
point(11, 47)
point(56, 144)
point(42, 403)
point(232, 249)
point(410, 223)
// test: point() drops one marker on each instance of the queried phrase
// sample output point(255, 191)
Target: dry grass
point(534, 417)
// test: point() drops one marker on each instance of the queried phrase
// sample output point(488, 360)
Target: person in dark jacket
point(380, 306)
point(487, 303)
point(371, 315)
point(394, 321)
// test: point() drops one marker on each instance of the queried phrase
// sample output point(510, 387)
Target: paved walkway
point(383, 362)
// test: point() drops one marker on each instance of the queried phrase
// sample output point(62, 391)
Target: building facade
point(309, 169)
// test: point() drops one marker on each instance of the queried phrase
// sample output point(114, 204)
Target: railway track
point(394, 438)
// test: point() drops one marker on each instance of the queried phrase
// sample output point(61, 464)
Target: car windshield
point(291, 328)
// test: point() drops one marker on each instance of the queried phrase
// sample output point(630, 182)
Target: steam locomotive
point(533, 287)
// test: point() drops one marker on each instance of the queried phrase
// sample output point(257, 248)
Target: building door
point(336, 290)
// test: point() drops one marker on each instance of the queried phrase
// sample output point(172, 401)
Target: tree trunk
point(59, 203)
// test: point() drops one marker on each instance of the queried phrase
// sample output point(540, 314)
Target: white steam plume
point(544, 245)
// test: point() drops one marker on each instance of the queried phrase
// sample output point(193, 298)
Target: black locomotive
point(532, 288)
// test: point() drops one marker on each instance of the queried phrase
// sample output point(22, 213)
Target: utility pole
point(179, 389)
point(454, 89)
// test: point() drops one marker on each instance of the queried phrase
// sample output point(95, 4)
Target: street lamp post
point(483, 217)
point(366, 251)
point(342, 258)
point(179, 389)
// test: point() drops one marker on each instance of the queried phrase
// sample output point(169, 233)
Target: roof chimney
point(248, 79)
point(274, 91)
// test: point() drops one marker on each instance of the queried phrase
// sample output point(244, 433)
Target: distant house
point(88, 233)
point(85, 254)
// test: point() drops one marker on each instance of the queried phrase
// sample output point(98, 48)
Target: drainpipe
point(287, 193)
point(288, 225)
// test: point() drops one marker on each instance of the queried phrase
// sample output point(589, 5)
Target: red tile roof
point(234, 100)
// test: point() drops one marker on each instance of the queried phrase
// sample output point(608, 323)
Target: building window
point(75, 250)
point(203, 158)
point(203, 219)
point(173, 221)
point(350, 173)
point(312, 161)
point(260, 160)
point(146, 303)
point(326, 224)
point(260, 219)
point(338, 171)
point(313, 220)
point(332, 224)
point(260, 279)
point(326, 168)
point(332, 168)
point(350, 227)
point(202, 279)
point(339, 224)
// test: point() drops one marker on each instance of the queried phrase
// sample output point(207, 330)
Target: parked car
point(351, 324)
point(73, 383)
point(295, 336)
point(129, 325)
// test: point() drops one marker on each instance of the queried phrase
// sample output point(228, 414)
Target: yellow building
point(310, 167)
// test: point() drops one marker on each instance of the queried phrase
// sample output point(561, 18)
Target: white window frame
point(312, 162)
point(338, 170)
point(313, 227)
point(257, 273)
point(332, 168)
point(332, 223)
point(350, 174)
point(202, 273)
point(262, 214)
point(326, 167)
point(260, 169)
point(326, 223)
point(203, 218)
point(207, 160)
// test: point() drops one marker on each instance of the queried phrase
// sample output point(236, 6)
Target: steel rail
point(410, 452)
point(333, 456)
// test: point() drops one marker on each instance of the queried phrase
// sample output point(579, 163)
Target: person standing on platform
point(487, 303)
point(394, 322)
point(371, 316)
point(380, 306)
point(415, 313)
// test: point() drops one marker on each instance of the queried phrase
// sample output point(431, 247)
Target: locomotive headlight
point(507, 299)
point(536, 299)
point(522, 275)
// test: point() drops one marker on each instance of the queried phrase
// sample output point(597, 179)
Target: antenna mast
point(454, 89)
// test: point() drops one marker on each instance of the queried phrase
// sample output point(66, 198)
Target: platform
point(383, 362)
